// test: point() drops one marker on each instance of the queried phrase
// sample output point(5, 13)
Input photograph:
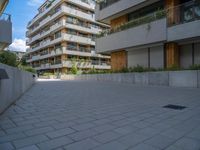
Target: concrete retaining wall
point(189, 78)
point(11, 89)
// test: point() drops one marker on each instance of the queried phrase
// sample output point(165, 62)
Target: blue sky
point(22, 12)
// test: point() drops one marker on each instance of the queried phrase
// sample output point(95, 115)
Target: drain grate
point(176, 107)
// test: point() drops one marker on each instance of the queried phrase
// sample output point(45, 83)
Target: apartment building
point(5, 26)
point(150, 33)
point(62, 35)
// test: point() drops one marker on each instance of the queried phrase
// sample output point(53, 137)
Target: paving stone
point(83, 134)
point(172, 133)
point(160, 141)
point(194, 134)
point(112, 146)
point(45, 123)
point(19, 129)
point(55, 143)
point(83, 126)
point(32, 147)
point(60, 132)
point(132, 139)
point(188, 143)
point(2, 133)
point(127, 119)
point(143, 147)
point(38, 131)
point(103, 128)
point(11, 137)
point(82, 145)
point(29, 141)
point(106, 137)
point(6, 146)
point(126, 129)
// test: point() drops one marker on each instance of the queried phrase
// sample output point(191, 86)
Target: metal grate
point(175, 107)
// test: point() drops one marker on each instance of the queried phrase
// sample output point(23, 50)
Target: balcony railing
point(105, 3)
point(187, 12)
point(6, 17)
point(136, 22)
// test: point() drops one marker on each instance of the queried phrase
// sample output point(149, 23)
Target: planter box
point(183, 78)
point(141, 78)
point(159, 78)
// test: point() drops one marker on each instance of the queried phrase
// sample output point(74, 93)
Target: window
point(72, 46)
point(73, 32)
point(57, 34)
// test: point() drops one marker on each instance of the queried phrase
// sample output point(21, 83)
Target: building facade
point(5, 26)
point(62, 35)
point(150, 33)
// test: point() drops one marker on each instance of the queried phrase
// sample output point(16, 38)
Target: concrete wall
point(11, 89)
point(186, 56)
point(138, 57)
point(154, 59)
point(178, 32)
point(147, 33)
point(188, 78)
point(5, 31)
point(120, 8)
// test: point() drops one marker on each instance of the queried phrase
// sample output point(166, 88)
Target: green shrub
point(27, 68)
point(74, 69)
point(8, 58)
point(195, 67)
point(173, 68)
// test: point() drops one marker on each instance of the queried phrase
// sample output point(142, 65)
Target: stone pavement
point(82, 115)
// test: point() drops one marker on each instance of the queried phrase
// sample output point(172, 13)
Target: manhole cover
point(176, 107)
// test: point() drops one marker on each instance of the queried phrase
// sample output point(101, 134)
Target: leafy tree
point(8, 58)
point(23, 61)
point(74, 69)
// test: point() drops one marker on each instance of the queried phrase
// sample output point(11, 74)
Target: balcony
point(43, 13)
point(45, 33)
point(138, 32)
point(77, 13)
point(187, 23)
point(64, 9)
point(5, 31)
point(83, 3)
point(44, 22)
point(79, 27)
point(64, 36)
point(109, 8)
point(86, 64)
point(78, 39)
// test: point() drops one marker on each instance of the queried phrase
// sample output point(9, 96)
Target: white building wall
point(138, 57)
point(157, 57)
point(141, 57)
point(186, 56)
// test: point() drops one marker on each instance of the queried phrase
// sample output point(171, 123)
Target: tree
point(8, 58)
point(23, 60)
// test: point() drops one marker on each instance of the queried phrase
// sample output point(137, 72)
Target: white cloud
point(35, 2)
point(18, 45)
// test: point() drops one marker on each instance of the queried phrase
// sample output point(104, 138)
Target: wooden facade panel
point(118, 60)
point(173, 15)
point(118, 21)
point(172, 55)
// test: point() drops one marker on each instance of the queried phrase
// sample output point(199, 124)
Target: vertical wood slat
point(118, 60)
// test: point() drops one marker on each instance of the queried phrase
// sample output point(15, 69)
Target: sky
point(22, 11)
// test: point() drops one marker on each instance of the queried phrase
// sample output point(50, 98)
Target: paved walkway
point(80, 115)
